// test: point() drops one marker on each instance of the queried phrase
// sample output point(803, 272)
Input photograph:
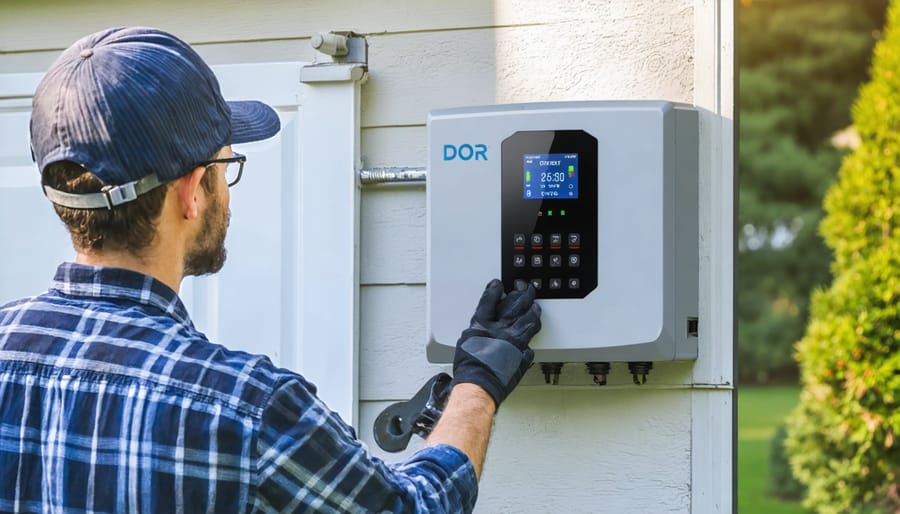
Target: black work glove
point(493, 352)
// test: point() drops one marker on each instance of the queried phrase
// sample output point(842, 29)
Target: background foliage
point(844, 438)
point(801, 63)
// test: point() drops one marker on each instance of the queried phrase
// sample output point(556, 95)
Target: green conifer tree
point(844, 438)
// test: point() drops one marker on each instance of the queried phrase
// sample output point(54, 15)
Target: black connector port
point(692, 327)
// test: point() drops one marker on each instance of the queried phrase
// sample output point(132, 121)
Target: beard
point(207, 255)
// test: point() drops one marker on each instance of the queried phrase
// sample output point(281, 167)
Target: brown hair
point(130, 226)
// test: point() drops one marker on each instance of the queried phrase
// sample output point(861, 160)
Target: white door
point(255, 303)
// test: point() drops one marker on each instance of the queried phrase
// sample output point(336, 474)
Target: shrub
point(844, 437)
point(782, 483)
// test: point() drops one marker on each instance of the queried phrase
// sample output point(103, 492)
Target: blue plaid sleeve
point(310, 460)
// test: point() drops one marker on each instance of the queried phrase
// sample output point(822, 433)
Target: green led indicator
point(562, 213)
point(527, 176)
point(549, 213)
point(571, 167)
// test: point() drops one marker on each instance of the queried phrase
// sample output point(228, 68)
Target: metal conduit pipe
point(392, 175)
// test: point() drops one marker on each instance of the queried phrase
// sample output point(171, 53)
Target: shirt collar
point(119, 284)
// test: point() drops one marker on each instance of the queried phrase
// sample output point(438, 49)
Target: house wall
point(662, 447)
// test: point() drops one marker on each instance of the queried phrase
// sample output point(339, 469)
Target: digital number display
point(550, 176)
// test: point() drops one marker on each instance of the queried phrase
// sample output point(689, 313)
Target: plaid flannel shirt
point(111, 401)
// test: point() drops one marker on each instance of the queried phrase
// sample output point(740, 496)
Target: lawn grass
point(760, 411)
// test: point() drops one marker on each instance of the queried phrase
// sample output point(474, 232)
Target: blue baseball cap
point(138, 107)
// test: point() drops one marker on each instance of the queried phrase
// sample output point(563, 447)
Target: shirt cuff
point(454, 470)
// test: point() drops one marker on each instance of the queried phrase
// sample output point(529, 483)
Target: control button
point(555, 240)
point(574, 239)
point(537, 283)
point(574, 283)
point(555, 261)
point(574, 260)
point(518, 261)
point(519, 240)
point(520, 285)
point(537, 240)
point(537, 261)
point(555, 283)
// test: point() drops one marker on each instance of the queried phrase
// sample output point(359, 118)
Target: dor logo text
point(465, 152)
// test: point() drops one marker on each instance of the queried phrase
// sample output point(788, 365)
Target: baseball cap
point(138, 107)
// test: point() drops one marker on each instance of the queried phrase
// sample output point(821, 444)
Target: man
point(112, 401)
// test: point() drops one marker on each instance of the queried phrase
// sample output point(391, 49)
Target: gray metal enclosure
point(635, 276)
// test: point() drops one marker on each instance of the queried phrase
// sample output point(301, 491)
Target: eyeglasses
point(234, 167)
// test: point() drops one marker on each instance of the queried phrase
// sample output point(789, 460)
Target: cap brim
point(252, 121)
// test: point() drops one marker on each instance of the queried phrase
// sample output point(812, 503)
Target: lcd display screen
point(550, 176)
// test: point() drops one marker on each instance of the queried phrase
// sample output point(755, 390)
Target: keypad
point(554, 266)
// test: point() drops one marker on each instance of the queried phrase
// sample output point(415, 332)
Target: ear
point(186, 191)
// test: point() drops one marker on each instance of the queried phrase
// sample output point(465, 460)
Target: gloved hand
point(493, 352)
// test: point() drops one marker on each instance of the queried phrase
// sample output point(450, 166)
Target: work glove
point(493, 352)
